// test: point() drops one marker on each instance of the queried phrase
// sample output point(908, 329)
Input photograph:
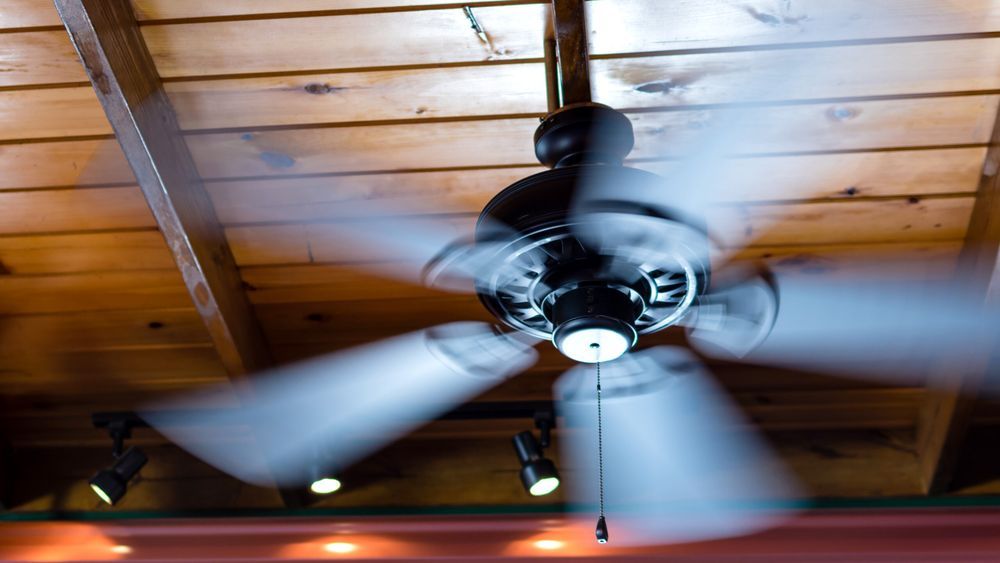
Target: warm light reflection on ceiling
point(65, 542)
point(549, 545)
point(355, 546)
point(571, 537)
point(340, 547)
point(121, 549)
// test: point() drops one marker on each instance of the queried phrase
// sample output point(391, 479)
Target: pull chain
point(602, 527)
point(600, 440)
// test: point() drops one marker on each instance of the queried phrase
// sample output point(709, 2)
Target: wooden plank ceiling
point(294, 116)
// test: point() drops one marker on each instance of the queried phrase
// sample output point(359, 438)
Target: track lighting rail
point(531, 410)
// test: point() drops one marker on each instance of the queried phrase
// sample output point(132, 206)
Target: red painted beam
point(915, 535)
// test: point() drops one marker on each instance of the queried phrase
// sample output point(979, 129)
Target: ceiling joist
point(948, 413)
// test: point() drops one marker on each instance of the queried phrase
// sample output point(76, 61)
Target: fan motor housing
point(608, 263)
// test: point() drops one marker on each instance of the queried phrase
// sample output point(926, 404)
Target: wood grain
point(84, 252)
point(848, 222)
point(63, 163)
point(390, 39)
point(940, 66)
point(358, 97)
point(103, 330)
point(859, 222)
point(74, 210)
point(146, 10)
point(28, 13)
point(677, 80)
point(38, 57)
point(798, 74)
point(99, 291)
point(515, 32)
point(52, 112)
point(761, 22)
point(868, 125)
point(827, 176)
point(97, 371)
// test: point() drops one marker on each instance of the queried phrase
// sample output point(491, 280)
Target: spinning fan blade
point(681, 464)
point(704, 177)
point(735, 319)
point(391, 224)
point(402, 239)
point(345, 405)
point(875, 326)
point(766, 103)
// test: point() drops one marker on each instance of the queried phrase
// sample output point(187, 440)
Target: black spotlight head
point(110, 484)
point(538, 474)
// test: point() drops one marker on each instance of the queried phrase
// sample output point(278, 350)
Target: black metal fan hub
point(649, 265)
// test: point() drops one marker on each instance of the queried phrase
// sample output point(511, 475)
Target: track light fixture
point(538, 474)
point(111, 483)
point(322, 480)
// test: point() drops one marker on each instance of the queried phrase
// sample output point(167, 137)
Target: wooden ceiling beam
point(569, 20)
point(114, 54)
point(947, 414)
point(107, 38)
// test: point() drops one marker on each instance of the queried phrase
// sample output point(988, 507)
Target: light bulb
point(325, 486)
point(593, 345)
point(544, 486)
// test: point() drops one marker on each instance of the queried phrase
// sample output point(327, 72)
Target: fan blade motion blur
point(873, 325)
point(403, 239)
point(740, 129)
point(345, 405)
point(681, 464)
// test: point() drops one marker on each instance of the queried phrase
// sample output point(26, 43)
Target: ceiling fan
point(592, 256)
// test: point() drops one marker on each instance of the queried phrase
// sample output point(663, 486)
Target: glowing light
point(590, 345)
point(121, 549)
point(544, 486)
point(549, 545)
point(325, 486)
point(340, 547)
point(100, 493)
